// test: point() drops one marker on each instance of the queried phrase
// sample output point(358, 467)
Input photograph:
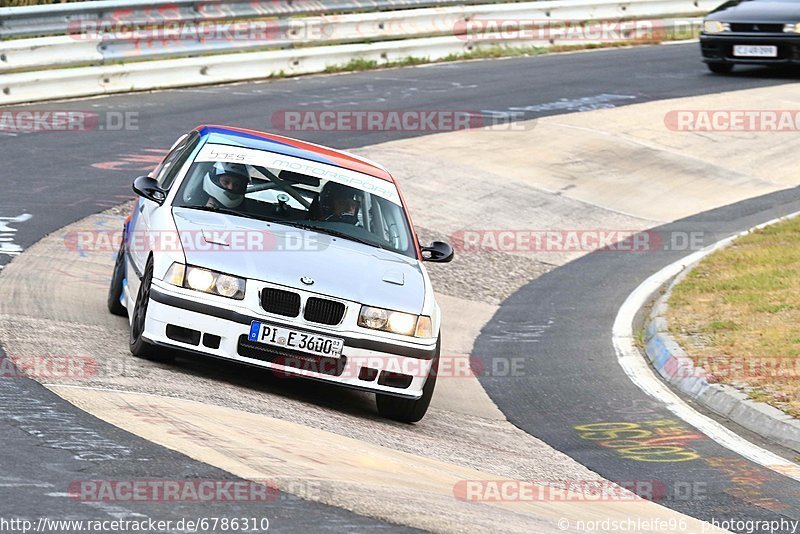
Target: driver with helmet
point(339, 203)
point(226, 185)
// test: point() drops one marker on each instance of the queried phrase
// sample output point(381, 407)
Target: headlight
point(402, 323)
point(405, 324)
point(424, 327)
point(792, 28)
point(175, 274)
point(229, 286)
point(715, 26)
point(200, 279)
point(211, 282)
point(374, 318)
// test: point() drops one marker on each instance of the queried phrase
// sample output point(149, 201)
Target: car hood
point(757, 11)
point(282, 255)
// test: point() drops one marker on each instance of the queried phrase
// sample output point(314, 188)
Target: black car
point(751, 32)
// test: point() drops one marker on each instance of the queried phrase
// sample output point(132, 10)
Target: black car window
point(168, 170)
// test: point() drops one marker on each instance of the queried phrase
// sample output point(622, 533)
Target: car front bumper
point(718, 48)
point(182, 319)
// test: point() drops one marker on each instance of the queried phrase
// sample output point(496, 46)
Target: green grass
point(639, 338)
point(491, 52)
point(743, 303)
point(359, 64)
point(718, 326)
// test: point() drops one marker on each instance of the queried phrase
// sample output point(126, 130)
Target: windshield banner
point(279, 162)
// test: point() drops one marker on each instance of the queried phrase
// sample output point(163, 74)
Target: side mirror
point(147, 187)
point(438, 252)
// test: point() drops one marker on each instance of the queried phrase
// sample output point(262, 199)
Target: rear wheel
point(720, 68)
point(410, 410)
point(115, 289)
point(140, 347)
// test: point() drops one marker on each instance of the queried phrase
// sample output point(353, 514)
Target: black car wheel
point(115, 289)
point(410, 410)
point(138, 345)
point(720, 68)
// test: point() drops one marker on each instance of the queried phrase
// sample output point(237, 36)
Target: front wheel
point(720, 68)
point(140, 347)
point(115, 289)
point(410, 410)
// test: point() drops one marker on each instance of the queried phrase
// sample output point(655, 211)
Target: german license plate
point(287, 338)
point(755, 51)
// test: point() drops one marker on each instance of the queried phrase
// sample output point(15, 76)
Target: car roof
point(228, 135)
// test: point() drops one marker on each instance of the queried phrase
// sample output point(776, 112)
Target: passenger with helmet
point(226, 185)
point(339, 203)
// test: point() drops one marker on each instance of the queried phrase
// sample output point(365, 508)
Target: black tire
point(115, 289)
point(720, 68)
point(138, 345)
point(410, 410)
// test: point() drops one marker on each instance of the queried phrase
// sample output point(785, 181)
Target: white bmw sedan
point(286, 255)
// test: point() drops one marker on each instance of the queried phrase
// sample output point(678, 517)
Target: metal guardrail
point(29, 68)
point(114, 44)
point(60, 19)
point(197, 39)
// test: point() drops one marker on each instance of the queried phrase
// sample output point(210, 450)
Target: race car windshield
point(347, 205)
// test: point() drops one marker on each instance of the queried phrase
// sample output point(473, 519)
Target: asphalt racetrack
point(560, 324)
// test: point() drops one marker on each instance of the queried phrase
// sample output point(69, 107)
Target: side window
point(394, 224)
point(166, 172)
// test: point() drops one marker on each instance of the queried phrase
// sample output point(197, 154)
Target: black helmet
point(333, 191)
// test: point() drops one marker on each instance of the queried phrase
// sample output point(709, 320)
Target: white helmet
point(230, 197)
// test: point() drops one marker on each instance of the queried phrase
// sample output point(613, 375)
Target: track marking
point(7, 245)
point(641, 374)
